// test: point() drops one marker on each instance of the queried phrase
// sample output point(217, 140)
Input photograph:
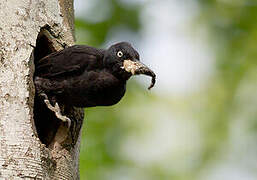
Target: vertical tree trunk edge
point(34, 144)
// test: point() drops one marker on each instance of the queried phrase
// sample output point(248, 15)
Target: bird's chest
point(111, 94)
point(95, 89)
point(103, 90)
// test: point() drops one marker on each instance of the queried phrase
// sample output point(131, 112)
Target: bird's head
point(123, 60)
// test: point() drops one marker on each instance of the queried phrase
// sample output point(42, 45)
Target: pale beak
point(136, 67)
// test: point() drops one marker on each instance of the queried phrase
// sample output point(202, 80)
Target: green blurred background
point(200, 121)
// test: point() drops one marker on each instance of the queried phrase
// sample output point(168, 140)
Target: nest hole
point(45, 120)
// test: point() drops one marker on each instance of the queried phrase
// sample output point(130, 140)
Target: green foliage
point(95, 33)
point(228, 100)
point(103, 132)
point(103, 129)
point(233, 34)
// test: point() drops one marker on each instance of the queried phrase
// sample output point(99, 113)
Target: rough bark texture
point(22, 153)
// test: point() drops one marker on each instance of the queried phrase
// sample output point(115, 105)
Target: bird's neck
point(119, 73)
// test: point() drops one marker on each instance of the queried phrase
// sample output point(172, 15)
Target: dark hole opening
point(45, 120)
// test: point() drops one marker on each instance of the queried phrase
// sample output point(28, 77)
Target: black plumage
point(84, 76)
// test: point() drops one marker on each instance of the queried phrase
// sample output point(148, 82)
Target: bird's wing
point(70, 61)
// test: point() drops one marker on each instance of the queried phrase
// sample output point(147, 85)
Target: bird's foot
point(56, 109)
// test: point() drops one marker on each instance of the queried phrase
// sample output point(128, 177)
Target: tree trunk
point(34, 144)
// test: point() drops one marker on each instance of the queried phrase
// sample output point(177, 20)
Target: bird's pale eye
point(119, 53)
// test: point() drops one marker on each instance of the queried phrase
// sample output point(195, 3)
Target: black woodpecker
point(84, 76)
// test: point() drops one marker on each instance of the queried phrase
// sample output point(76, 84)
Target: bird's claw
point(56, 109)
point(60, 116)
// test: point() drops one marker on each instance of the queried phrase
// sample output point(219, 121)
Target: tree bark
point(34, 144)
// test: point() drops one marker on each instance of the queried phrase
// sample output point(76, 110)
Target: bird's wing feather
point(70, 61)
